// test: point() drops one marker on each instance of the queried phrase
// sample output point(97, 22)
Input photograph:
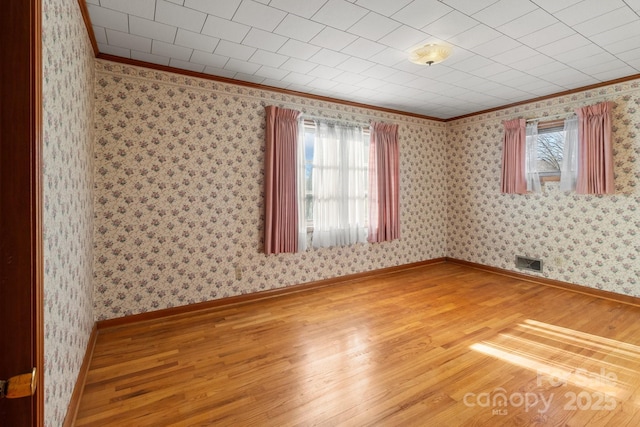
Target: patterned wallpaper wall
point(179, 193)
point(587, 240)
point(68, 80)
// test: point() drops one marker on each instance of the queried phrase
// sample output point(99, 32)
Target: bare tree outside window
point(550, 146)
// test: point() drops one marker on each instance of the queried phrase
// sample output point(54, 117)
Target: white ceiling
point(504, 51)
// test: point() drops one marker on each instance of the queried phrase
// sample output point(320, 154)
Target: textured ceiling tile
point(223, 9)
point(298, 28)
point(171, 50)
point(243, 67)
point(196, 40)
point(373, 26)
point(390, 57)
point(533, 21)
point(507, 49)
point(305, 9)
point(587, 9)
point(129, 41)
point(553, 6)
point(331, 38)
point(606, 22)
point(469, 7)
point(209, 59)
point(298, 65)
point(328, 57)
point(450, 25)
point(153, 30)
point(420, 13)
point(186, 65)
point(108, 18)
point(149, 57)
point(189, 19)
point(264, 40)
point(234, 50)
point(384, 7)
point(258, 15)
point(503, 11)
point(297, 49)
point(404, 38)
point(474, 36)
point(222, 29)
point(339, 14)
point(142, 8)
point(547, 35)
point(269, 59)
point(355, 65)
point(363, 48)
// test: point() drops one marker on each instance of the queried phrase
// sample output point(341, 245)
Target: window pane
point(309, 139)
point(309, 135)
point(550, 146)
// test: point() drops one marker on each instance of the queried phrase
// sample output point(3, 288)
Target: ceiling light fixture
point(429, 54)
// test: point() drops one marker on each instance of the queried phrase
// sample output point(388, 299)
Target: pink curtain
point(384, 183)
point(281, 211)
point(595, 157)
point(513, 157)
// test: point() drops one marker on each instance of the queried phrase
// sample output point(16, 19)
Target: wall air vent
point(530, 264)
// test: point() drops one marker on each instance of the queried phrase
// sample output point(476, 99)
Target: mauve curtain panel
point(513, 157)
point(384, 183)
point(281, 204)
point(595, 153)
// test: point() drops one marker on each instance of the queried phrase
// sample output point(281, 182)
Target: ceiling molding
point(87, 20)
point(135, 62)
point(554, 95)
point(87, 23)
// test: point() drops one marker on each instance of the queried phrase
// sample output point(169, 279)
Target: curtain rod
point(554, 117)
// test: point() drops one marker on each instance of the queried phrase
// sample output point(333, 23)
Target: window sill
point(550, 178)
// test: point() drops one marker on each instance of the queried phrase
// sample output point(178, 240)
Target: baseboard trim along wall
point(598, 293)
point(74, 403)
point(240, 299)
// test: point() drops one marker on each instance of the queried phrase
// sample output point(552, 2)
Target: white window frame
point(310, 127)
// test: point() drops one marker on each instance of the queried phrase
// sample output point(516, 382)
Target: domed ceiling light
point(429, 54)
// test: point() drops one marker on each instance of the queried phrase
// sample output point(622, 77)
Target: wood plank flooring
point(440, 345)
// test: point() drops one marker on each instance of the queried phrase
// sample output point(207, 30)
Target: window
point(551, 136)
point(319, 174)
point(336, 182)
point(576, 151)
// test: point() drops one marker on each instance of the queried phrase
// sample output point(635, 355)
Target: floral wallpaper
point(155, 200)
point(68, 74)
point(179, 193)
point(587, 240)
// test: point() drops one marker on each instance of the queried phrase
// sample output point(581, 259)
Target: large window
point(317, 175)
point(336, 174)
point(309, 136)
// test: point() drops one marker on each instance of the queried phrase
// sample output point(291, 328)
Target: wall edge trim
point(550, 96)
point(566, 286)
point(78, 390)
point(87, 24)
point(256, 296)
point(258, 86)
point(129, 61)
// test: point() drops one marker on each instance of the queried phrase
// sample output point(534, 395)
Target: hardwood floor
point(441, 345)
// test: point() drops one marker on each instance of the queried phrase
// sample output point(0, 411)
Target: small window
point(550, 147)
